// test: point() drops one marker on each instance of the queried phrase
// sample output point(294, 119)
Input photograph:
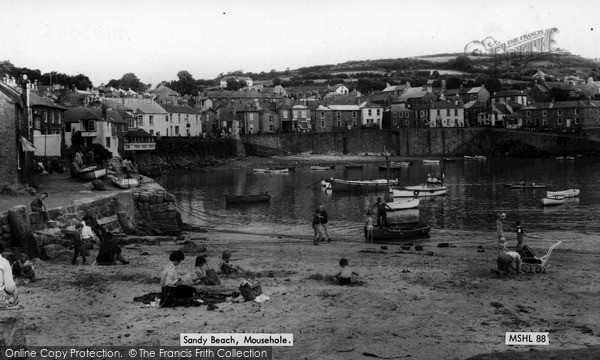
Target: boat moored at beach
point(400, 232)
point(566, 193)
point(354, 166)
point(475, 157)
point(419, 191)
point(395, 165)
point(322, 167)
point(91, 173)
point(360, 185)
point(430, 162)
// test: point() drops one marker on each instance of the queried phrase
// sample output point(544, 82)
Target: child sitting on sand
point(225, 267)
point(502, 245)
point(204, 275)
point(345, 274)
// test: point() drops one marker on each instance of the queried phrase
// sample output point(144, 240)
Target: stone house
point(345, 117)
point(506, 96)
point(151, 117)
point(184, 119)
point(565, 116)
point(268, 121)
point(13, 146)
point(399, 116)
point(47, 126)
point(301, 118)
point(322, 119)
point(440, 114)
point(96, 126)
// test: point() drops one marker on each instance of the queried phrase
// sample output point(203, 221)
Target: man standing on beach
point(381, 213)
point(324, 220)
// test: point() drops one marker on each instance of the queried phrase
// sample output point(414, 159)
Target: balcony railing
point(140, 146)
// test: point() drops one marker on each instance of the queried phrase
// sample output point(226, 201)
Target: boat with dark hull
point(399, 232)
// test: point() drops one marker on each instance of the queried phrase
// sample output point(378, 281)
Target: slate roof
point(137, 133)
point(76, 114)
point(37, 100)
point(344, 107)
point(508, 93)
point(180, 109)
point(144, 106)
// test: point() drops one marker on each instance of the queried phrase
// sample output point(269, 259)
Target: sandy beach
point(438, 303)
point(405, 301)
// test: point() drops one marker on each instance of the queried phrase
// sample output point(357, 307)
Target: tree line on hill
point(365, 76)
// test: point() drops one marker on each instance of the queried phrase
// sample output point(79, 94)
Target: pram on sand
point(532, 263)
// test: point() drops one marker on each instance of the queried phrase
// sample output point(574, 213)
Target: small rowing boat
point(272, 171)
point(403, 204)
point(419, 191)
point(524, 185)
point(91, 173)
point(430, 162)
point(399, 232)
point(246, 199)
point(553, 200)
point(476, 157)
point(124, 183)
point(566, 193)
point(322, 167)
point(360, 185)
point(354, 166)
point(395, 165)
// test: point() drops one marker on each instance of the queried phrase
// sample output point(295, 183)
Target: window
point(577, 120)
point(354, 114)
point(140, 120)
point(406, 122)
point(401, 115)
point(37, 123)
point(421, 113)
point(304, 113)
point(544, 112)
point(559, 112)
point(176, 130)
point(528, 114)
point(395, 122)
point(378, 112)
point(271, 118)
point(167, 118)
point(151, 132)
point(339, 123)
point(369, 112)
point(197, 119)
point(528, 121)
point(322, 123)
point(322, 114)
point(544, 121)
point(439, 112)
point(338, 115)
point(559, 121)
point(448, 112)
point(353, 122)
point(179, 118)
point(151, 120)
point(272, 127)
point(250, 117)
point(107, 142)
point(67, 127)
point(187, 118)
point(395, 114)
point(285, 114)
point(91, 125)
point(576, 111)
point(131, 122)
point(456, 112)
point(295, 114)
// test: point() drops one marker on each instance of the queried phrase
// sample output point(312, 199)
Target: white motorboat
point(360, 185)
point(430, 162)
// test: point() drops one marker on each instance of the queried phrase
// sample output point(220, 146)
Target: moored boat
point(361, 185)
point(246, 199)
point(525, 185)
point(430, 162)
point(399, 232)
point(475, 157)
point(566, 193)
point(553, 200)
point(91, 173)
point(354, 166)
point(322, 167)
point(419, 191)
point(403, 204)
point(272, 171)
point(124, 183)
point(395, 165)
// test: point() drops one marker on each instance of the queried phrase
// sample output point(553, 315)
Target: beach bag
point(250, 289)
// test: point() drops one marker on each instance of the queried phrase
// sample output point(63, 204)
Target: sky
point(156, 39)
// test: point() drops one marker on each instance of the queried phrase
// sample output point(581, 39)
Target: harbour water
point(476, 193)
